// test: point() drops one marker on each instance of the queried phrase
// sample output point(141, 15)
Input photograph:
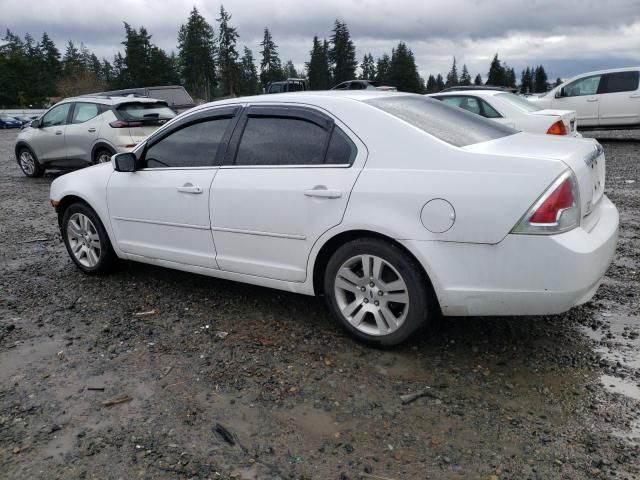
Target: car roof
point(608, 70)
point(110, 100)
point(480, 93)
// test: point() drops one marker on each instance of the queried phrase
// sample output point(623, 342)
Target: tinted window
point(56, 116)
point(84, 112)
point(342, 86)
point(451, 125)
point(620, 82)
point(488, 111)
point(584, 86)
point(341, 149)
point(277, 88)
point(192, 146)
point(145, 111)
point(281, 141)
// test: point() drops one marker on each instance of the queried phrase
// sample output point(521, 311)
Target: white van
point(607, 99)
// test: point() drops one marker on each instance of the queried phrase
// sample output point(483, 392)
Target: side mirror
point(124, 162)
point(35, 124)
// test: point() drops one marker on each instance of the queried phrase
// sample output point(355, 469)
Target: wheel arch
point(332, 244)
point(20, 144)
point(101, 145)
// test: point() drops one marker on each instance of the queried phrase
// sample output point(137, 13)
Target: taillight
point(557, 128)
point(124, 124)
point(556, 211)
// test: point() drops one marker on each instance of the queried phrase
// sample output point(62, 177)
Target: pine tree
point(510, 78)
point(497, 75)
point(478, 80)
point(227, 54)
point(465, 78)
point(248, 74)
point(196, 56)
point(270, 65)
point(452, 76)
point(318, 66)
point(525, 81)
point(439, 83)
point(383, 67)
point(540, 80)
point(558, 82)
point(342, 54)
point(432, 86)
point(368, 67)
point(403, 71)
point(290, 71)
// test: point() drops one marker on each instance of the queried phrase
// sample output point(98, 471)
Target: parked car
point(82, 131)
point(606, 99)
point(175, 96)
point(22, 119)
point(363, 85)
point(288, 85)
point(462, 88)
point(9, 122)
point(512, 110)
point(393, 206)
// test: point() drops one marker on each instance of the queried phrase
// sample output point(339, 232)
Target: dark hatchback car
point(9, 122)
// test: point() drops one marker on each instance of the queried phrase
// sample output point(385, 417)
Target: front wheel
point(29, 163)
point(377, 292)
point(86, 240)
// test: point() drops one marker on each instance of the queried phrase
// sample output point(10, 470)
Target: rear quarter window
point(452, 125)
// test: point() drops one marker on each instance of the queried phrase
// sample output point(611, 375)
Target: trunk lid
point(584, 156)
point(568, 117)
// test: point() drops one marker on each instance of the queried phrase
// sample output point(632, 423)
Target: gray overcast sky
point(566, 36)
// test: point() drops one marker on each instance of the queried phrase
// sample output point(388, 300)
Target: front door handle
point(59, 132)
point(321, 191)
point(91, 130)
point(190, 188)
point(635, 95)
point(592, 99)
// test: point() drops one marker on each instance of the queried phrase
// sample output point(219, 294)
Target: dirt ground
point(221, 380)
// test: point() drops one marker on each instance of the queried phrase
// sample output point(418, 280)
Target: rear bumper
point(523, 274)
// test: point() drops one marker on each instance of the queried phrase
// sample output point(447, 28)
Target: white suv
point(607, 99)
point(83, 131)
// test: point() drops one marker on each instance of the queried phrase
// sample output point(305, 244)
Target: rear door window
point(620, 82)
point(451, 125)
point(84, 112)
point(272, 140)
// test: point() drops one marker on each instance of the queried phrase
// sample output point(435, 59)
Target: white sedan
point(513, 110)
point(394, 206)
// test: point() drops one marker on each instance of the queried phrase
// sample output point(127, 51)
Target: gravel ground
point(223, 380)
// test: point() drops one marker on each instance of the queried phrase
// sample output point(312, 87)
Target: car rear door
point(286, 180)
point(582, 96)
point(82, 131)
point(161, 211)
point(620, 98)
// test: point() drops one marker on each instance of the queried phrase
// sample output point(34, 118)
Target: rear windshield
point(173, 96)
point(145, 111)
point(521, 103)
point(452, 125)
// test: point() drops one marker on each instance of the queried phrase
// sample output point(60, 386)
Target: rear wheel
point(377, 292)
point(29, 163)
point(103, 156)
point(86, 240)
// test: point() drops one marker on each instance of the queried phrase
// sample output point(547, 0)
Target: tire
point(86, 240)
point(361, 300)
point(102, 156)
point(29, 163)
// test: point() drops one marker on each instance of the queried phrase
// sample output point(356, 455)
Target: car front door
point(49, 143)
point(581, 96)
point(161, 211)
point(286, 180)
point(82, 131)
point(620, 99)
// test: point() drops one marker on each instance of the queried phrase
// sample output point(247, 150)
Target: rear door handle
point(323, 192)
point(91, 130)
point(592, 99)
point(59, 132)
point(189, 188)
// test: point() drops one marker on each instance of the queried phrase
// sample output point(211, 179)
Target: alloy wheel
point(27, 162)
point(104, 157)
point(371, 295)
point(84, 240)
